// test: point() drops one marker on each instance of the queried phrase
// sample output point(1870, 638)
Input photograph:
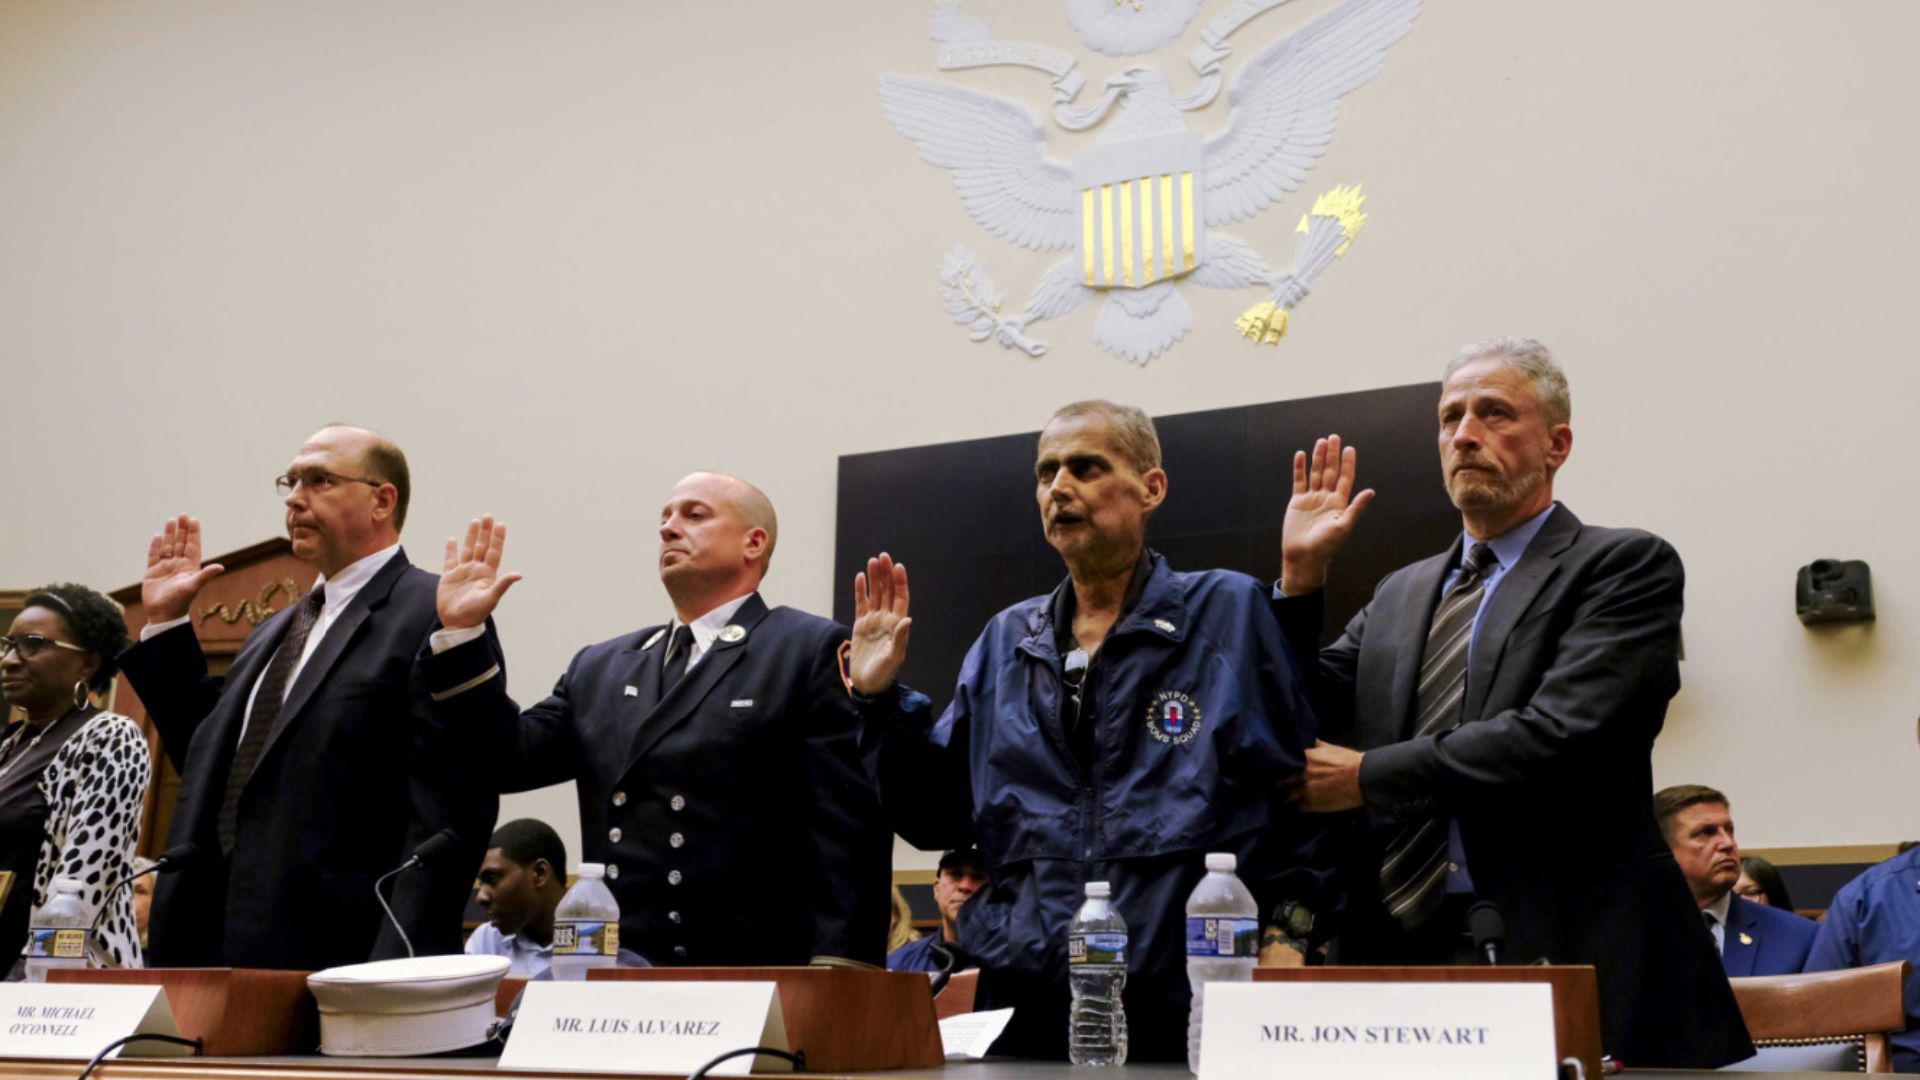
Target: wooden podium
point(846, 1019)
point(1576, 994)
point(236, 1012)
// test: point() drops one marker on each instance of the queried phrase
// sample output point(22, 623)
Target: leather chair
point(1849, 1009)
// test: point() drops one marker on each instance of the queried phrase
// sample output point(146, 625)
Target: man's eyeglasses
point(32, 645)
point(317, 480)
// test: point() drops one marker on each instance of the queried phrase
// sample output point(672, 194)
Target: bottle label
point(48, 943)
point(586, 937)
point(1107, 948)
point(1223, 935)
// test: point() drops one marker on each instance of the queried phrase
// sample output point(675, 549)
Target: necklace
point(13, 743)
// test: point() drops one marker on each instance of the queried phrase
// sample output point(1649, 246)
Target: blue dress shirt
point(1875, 918)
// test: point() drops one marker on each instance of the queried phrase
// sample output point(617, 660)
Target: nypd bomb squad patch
point(1173, 717)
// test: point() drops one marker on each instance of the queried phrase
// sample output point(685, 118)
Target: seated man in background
point(962, 873)
point(1753, 939)
point(1875, 919)
point(142, 897)
point(522, 880)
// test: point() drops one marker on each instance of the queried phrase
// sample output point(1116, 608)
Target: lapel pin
point(1165, 626)
point(657, 635)
point(731, 633)
point(1745, 938)
point(633, 691)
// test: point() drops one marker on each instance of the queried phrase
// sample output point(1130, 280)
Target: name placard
point(646, 1027)
point(1378, 1031)
point(74, 1020)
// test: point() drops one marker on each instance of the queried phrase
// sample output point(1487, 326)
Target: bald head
point(751, 504)
point(378, 457)
point(716, 536)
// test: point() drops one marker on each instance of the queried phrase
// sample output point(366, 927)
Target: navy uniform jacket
point(1573, 663)
point(1199, 721)
point(735, 820)
point(1762, 940)
point(356, 773)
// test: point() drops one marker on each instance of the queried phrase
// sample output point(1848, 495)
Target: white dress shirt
point(341, 589)
point(1718, 909)
point(706, 629)
point(526, 959)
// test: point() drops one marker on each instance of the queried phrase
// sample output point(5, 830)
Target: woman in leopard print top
point(72, 777)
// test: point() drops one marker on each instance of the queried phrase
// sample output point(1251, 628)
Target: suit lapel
point(1518, 589)
point(1408, 636)
point(1742, 947)
point(314, 673)
point(672, 708)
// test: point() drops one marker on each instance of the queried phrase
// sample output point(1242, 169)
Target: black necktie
point(267, 700)
point(1414, 871)
point(679, 648)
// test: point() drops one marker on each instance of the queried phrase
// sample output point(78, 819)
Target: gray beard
point(1485, 496)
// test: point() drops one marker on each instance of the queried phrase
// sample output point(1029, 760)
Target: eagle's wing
point(1286, 99)
point(997, 152)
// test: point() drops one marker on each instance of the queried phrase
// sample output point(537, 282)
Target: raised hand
point(1320, 516)
point(880, 625)
point(174, 575)
point(471, 583)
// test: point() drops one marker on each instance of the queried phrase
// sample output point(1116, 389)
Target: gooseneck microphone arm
point(430, 849)
point(169, 861)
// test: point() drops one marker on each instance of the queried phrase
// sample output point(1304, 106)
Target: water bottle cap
point(69, 885)
point(1098, 890)
point(592, 870)
point(1222, 860)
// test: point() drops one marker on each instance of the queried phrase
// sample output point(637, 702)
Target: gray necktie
point(1413, 872)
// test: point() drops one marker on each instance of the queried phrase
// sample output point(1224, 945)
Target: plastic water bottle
point(586, 926)
point(1223, 940)
point(59, 936)
point(1097, 971)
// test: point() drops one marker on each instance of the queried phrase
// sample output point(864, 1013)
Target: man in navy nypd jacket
point(1117, 729)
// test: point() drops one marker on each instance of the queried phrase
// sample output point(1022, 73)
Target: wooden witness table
point(318, 1068)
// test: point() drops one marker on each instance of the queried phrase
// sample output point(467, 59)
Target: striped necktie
point(1413, 873)
point(268, 699)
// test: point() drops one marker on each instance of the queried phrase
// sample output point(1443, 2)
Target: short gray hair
point(1133, 431)
point(1529, 358)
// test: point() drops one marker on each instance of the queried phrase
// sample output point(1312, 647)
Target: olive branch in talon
point(974, 302)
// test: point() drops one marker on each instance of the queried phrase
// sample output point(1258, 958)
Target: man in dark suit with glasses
point(317, 766)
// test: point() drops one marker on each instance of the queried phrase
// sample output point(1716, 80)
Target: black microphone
point(1488, 928)
point(170, 860)
point(430, 849)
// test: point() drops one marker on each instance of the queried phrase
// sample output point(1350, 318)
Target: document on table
point(971, 1035)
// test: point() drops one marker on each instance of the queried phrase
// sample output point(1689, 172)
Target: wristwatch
point(1295, 920)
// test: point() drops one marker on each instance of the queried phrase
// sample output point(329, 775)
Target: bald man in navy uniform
point(715, 754)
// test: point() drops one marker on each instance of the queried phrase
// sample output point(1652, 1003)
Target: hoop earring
point(81, 695)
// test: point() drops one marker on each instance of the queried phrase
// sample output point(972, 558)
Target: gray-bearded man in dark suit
point(1491, 714)
point(716, 755)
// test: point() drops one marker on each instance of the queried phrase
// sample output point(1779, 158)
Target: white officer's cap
point(405, 1008)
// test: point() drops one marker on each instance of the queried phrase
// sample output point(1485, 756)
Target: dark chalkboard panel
point(964, 519)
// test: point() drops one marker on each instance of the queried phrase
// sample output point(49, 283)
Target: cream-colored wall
point(567, 253)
